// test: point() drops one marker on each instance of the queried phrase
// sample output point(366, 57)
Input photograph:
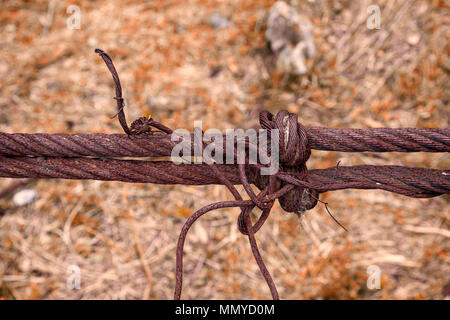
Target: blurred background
point(181, 61)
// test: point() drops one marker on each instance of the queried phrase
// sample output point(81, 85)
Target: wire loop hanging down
point(101, 157)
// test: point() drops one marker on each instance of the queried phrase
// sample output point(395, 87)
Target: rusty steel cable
point(107, 157)
point(158, 145)
point(412, 182)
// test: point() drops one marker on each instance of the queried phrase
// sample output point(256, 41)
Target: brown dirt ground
point(166, 52)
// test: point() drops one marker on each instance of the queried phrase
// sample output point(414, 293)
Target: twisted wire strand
point(84, 145)
point(411, 182)
point(379, 139)
point(159, 145)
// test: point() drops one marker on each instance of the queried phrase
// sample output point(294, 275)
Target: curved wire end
point(332, 217)
point(119, 99)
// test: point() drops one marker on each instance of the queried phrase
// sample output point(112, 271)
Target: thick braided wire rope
point(412, 182)
point(158, 145)
point(379, 139)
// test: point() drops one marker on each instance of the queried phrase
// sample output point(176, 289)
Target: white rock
point(10, 27)
point(290, 36)
point(92, 42)
point(24, 197)
point(413, 39)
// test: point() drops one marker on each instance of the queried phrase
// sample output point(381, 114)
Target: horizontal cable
point(158, 145)
point(379, 139)
point(412, 182)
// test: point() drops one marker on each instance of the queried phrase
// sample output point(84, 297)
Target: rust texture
point(158, 145)
point(106, 157)
point(411, 182)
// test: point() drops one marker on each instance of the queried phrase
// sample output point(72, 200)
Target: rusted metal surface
point(159, 145)
point(412, 182)
point(104, 157)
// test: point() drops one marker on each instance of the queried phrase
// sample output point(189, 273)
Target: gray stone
point(218, 21)
point(290, 36)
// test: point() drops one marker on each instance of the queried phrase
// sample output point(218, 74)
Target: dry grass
point(166, 52)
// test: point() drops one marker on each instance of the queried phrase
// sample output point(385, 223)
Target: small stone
point(290, 36)
point(413, 39)
point(218, 21)
point(92, 42)
point(24, 197)
point(10, 27)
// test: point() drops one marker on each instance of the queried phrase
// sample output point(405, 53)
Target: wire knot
point(294, 152)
